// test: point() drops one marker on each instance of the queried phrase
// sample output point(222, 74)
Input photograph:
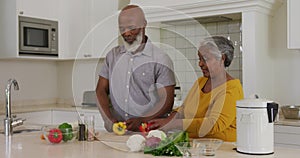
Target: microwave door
point(35, 38)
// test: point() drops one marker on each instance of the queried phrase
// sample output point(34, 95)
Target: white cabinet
point(40, 117)
point(38, 8)
point(287, 136)
point(56, 117)
point(8, 29)
point(74, 24)
point(59, 117)
point(293, 24)
point(99, 123)
point(10, 10)
point(62, 116)
point(87, 28)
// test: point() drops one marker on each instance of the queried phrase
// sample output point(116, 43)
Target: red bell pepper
point(145, 127)
point(55, 135)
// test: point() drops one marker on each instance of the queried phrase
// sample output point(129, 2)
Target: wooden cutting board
point(114, 141)
point(107, 136)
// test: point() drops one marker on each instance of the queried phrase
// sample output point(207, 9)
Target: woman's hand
point(166, 124)
point(159, 123)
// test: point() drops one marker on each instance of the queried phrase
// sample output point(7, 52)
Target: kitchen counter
point(46, 107)
point(66, 107)
point(30, 145)
point(288, 122)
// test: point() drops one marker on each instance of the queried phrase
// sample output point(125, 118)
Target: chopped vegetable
point(67, 131)
point(157, 133)
point(55, 135)
point(145, 127)
point(42, 137)
point(119, 128)
point(167, 146)
point(152, 142)
point(136, 143)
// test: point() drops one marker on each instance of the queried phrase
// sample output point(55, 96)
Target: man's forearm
point(104, 105)
point(165, 104)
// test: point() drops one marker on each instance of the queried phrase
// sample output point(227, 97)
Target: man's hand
point(108, 124)
point(134, 123)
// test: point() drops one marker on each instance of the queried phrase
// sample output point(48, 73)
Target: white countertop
point(288, 122)
point(30, 145)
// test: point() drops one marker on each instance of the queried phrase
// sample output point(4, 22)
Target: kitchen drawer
point(99, 123)
point(287, 136)
point(40, 117)
point(59, 117)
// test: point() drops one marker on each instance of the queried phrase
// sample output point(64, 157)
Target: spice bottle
point(81, 125)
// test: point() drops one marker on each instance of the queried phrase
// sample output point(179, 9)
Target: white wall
point(37, 81)
point(64, 71)
point(181, 39)
point(287, 62)
point(75, 77)
point(258, 66)
point(48, 82)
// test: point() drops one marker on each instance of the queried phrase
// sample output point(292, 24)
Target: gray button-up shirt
point(135, 78)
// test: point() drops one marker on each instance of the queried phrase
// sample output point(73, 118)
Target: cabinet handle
point(87, 55)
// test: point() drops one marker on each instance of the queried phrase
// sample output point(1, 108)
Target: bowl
point(209, 145)
point(189, 149)
point(54, 135)
point(291, 111)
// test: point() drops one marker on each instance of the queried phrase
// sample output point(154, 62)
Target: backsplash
point(180, 39)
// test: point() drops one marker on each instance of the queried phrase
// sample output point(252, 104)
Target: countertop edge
point(47, 107)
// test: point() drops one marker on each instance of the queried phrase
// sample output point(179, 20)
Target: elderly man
point(136, 82)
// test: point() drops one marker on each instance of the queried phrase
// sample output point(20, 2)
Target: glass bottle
point(82, 129)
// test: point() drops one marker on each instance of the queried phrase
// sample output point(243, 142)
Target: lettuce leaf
point(167, 146)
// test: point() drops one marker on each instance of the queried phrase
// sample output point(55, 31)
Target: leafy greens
point(167, 146)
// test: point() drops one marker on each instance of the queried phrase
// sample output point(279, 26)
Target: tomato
point(55, 135)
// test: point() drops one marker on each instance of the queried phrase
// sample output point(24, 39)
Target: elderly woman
point(209, 108)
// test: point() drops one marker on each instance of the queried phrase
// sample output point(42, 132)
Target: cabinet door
point(59, 117)
point(293, 25)
point(287, 136)
point(75, 22)
point(104, 33)
point(87, 28)
point(38, 8)
point(40, 117)
point(99, 123)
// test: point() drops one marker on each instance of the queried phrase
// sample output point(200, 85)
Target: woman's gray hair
point(219, 45)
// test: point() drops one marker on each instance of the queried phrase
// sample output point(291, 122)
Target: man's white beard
point(136, 43)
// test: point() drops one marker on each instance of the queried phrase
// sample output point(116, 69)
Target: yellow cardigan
point(212, 114)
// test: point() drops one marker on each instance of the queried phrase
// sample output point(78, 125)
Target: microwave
point(38, 36)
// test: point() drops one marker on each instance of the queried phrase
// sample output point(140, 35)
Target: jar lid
point(252, 103)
